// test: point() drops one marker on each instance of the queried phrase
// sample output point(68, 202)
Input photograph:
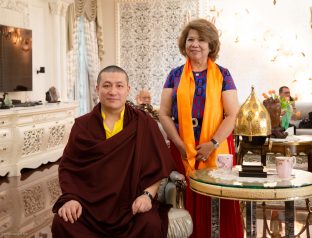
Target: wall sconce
point(26, 45)
point(41, 70)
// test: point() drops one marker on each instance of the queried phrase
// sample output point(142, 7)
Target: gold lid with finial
point(253, 119)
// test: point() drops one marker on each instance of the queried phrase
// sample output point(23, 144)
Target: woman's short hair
point(207, 31)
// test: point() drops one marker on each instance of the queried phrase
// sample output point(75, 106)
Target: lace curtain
point(92, 11)
point(92, 59)
point(72, 52)
point(83, 54)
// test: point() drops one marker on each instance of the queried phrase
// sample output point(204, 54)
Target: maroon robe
point(107, 175)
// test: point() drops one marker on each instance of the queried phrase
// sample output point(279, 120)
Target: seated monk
point(111, 169)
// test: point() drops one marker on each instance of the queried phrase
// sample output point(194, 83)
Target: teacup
point(284, 166)
point(225, 161)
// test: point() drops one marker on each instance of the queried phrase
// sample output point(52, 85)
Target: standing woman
point(197, 111)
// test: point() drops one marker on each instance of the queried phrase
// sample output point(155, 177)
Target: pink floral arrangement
point(272, 94)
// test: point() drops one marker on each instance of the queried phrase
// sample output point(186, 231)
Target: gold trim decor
point(253, 118)
point(251, 194)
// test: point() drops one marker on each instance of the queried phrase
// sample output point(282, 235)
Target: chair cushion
point(180, 223)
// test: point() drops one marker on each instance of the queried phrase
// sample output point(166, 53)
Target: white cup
point(284, 166)
point(225, 161)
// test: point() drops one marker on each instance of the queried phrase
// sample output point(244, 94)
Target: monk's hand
point(203, 151)
point(141, 204)
point(70, 211)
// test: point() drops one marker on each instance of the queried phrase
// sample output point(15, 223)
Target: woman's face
point(196, 48)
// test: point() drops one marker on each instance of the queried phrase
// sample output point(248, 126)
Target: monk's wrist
point(148, 194)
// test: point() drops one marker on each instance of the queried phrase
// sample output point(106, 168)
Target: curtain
point(72, 52)
point(82, 89)
point(83, 41)
point(92, 58)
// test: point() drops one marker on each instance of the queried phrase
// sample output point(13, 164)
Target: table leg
point(310, 161)
point(251, 219)
point(263, 158)
point(240, 155)
point(215, 217)
point(289, 219)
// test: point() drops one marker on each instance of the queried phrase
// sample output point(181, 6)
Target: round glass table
point(293, 145)
point(220, 184)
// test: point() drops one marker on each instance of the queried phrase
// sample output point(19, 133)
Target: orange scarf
point(213, 114)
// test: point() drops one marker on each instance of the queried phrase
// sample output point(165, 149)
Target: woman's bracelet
point(148, 194)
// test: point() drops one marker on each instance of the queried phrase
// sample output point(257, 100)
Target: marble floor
point(26, 202)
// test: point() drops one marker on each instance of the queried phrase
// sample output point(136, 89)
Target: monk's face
point(113, 90)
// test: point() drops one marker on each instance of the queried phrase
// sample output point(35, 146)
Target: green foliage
point(285, 104)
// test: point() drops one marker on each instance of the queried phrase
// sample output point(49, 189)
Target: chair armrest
point(176, 176)
point(175, 189)
point(161, 190)
point(180, 222)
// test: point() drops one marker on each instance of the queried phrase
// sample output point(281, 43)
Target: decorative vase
point(274, 108)
point(7, 101)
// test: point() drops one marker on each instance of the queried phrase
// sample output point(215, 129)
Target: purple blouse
point(200, 78)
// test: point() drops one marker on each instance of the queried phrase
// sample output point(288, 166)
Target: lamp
point(26, 44)
point(41, 70)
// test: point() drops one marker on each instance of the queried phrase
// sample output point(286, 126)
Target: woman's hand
point(181, 147)
point(70, 211)
point(204, 150)
point(141, 204)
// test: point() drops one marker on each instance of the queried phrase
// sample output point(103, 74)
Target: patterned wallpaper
point(147, 33)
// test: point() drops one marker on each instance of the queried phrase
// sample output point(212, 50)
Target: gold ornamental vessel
point(252, 119)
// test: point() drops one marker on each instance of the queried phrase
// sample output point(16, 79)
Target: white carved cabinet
point(33, 136)
point(6, 142)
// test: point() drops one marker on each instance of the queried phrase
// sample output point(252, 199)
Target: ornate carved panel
point(3, 205)
point(147, 33)
point(54, 190)
point(20, 6)
point(32, 141)
point(56, 135)
point(33, 199)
